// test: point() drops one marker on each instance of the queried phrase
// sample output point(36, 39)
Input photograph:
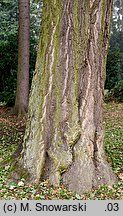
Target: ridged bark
point(64, 133)
point(22, 92)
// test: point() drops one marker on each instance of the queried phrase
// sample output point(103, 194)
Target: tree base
point(19, 110)
point(82, 174)
point(83, 179)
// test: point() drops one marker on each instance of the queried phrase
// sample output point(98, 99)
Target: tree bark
point(64, 133)
point(22, 93)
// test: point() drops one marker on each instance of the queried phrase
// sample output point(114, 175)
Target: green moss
point(80, 154)
point(101, 38)
point(73, 135)
point(61, 157)
point(17, 168)
point(76, 46)
point(50, 19)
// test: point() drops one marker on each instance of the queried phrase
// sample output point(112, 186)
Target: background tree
point(64, 133)
point(22, 93)
point(9, 46)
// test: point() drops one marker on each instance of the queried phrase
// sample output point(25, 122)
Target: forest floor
point(11, 133)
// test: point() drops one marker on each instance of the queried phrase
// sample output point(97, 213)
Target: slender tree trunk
point(64, 133)
point(22, 93)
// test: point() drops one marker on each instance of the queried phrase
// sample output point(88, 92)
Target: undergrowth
point(12, 132)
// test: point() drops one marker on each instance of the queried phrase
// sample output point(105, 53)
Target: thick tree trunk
point(22, 93)
point(64, 134)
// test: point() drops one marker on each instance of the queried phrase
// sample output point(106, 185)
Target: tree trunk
point(22, 93)
point(64, 133)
